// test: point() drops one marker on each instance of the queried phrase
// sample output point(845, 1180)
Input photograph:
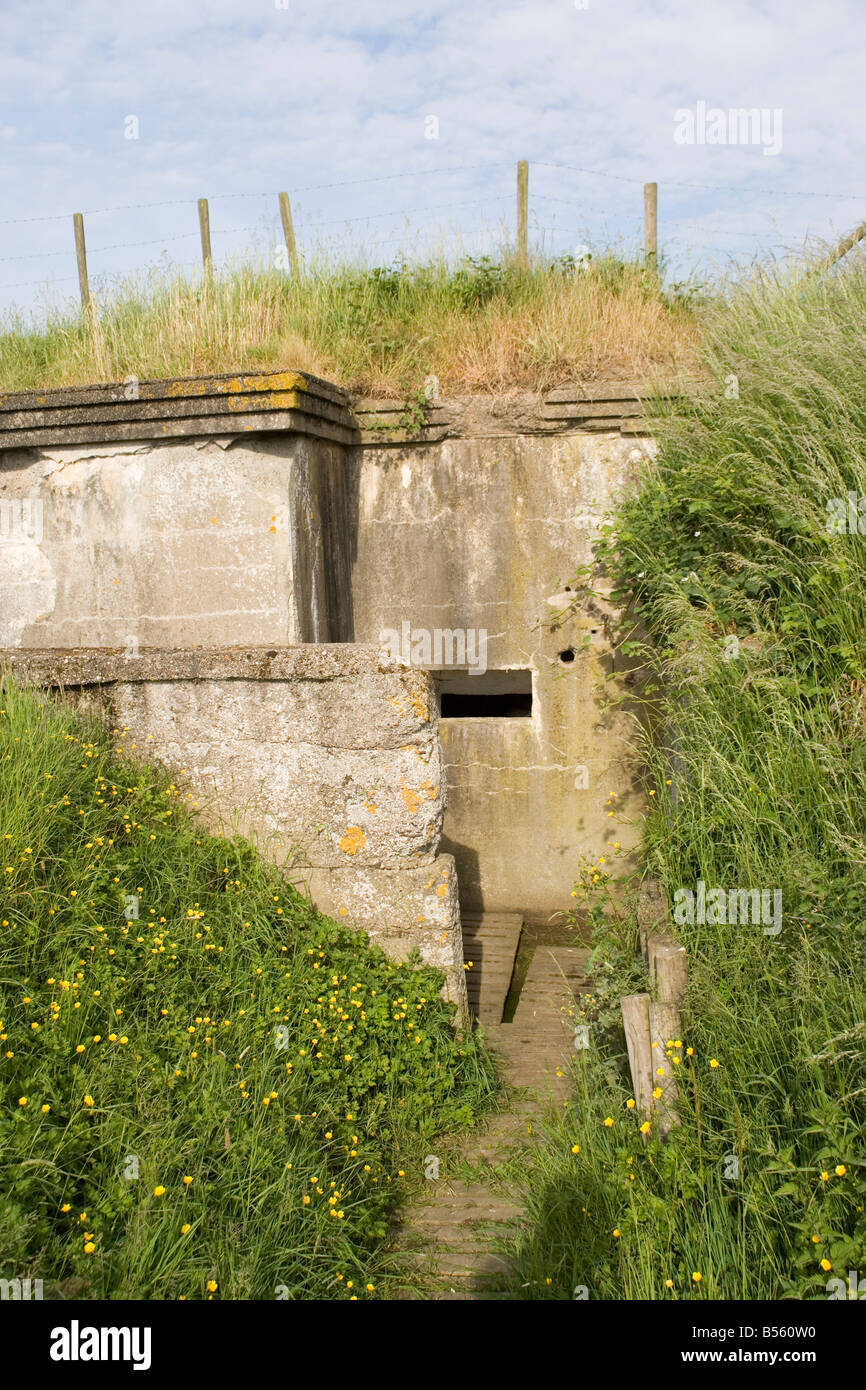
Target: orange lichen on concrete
point(278, 400)
point(353, 840)
point(413, 798)
point(286, 381)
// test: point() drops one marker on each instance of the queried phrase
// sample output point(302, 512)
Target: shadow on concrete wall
point(468, 873)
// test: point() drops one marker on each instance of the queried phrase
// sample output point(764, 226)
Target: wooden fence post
point(81, 258)
point(652, 912)
point(664, 1028)
point(289, 232)
point(668, 968)
point(844, 246)
point(204, 228)
point(652, 1022)
point(650, 225)
point(522, 213)
point(635, 1017)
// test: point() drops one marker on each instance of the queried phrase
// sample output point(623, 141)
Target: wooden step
point(555, 977)
point(490, 941)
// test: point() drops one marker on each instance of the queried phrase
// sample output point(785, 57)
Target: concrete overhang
point(149, 410)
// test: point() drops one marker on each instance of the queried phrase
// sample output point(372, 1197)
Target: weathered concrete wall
point(165, 532)
point(484, 534)
point(182, 542)
point(328, 757)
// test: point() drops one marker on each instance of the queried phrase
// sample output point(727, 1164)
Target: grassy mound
point(747, 558)
point(479, 325)
point(206, 1088)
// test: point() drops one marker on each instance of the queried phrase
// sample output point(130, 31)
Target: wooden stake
point(204, 228)
point(652, 913)
point(522, 213)
point(81, 257)
point(289, 232)
point(668, 968)
point(635, 1017)
point(664, 1027)
point(650, 225)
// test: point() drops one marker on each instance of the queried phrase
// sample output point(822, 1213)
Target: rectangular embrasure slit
point(491, 695)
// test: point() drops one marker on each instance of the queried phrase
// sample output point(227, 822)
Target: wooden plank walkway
point(555, 975)
point(452, 1232)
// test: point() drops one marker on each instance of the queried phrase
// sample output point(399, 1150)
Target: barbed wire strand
point(449, 169)
point(233, 231)
point(215, 197)
point(715, 187)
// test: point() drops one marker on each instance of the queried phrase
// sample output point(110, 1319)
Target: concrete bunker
point(268, 515)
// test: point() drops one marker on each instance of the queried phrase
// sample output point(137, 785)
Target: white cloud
point(235, 96)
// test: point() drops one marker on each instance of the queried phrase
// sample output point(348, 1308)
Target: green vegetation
point(478, 324)
point(206, 1088)
point(757, 780)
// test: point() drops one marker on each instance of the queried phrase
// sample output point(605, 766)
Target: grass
point(752, 612)
point(480, 324)
point(207, 1089)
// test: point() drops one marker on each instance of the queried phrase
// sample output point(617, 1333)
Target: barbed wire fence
point(677, 241)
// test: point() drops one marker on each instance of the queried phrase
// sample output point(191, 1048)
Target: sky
point(396, 126)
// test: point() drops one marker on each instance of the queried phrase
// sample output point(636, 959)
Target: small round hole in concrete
point(567, 656)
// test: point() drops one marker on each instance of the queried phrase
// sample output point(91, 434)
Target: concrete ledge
point(135, 409)
point(608, 407)
point(60, 666)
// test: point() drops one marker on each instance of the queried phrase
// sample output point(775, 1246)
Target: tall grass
point(479, 324)
point(753, 613)
point(206, 1088)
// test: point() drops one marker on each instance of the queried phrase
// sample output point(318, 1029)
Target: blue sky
point(238, 99)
